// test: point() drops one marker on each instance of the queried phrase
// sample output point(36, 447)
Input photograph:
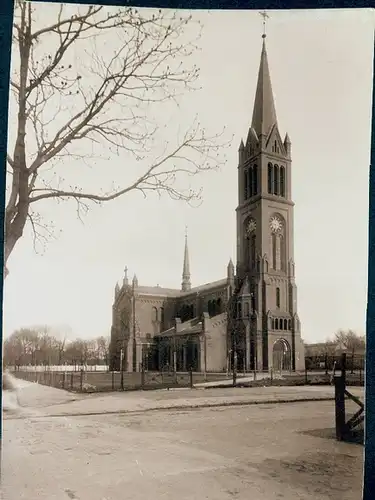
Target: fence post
point(340, 407)
point(81, 380)
point(71, 380)
point(191, 378)
point(63, 380)
point(113, 381)
point(271, 376)
point(340, 383)
point(306, 379)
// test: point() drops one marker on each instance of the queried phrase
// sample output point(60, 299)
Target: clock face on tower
point(276, 224)
point(251, 226)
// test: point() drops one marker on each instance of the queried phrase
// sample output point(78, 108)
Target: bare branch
point(88, 86)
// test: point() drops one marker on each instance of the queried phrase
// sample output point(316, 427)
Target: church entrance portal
point(281, 356)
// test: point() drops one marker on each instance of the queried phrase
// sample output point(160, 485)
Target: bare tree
point(102, 349)
point(350, 340)
point(21, 346)
point(76, 97)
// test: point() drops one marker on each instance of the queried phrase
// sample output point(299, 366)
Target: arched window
point(161, 318)
point(276, 324)
point(272, 324)
point(251, 182)
point(282, 182)
point(273, 240)
point(276, 179)
point(289, 324)
point(255, 180)
point(270, 178)
point(278, 298)
point(252, 251)
point(282, 253)
point(154, 314)
point(285, 324)
point(247, 309)
point(246, 185)
point(218, 305)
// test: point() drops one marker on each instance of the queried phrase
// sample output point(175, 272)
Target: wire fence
point(91, 381)
point(319, 370)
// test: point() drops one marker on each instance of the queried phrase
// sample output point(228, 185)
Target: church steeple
point(186, 284)
point(264, 113)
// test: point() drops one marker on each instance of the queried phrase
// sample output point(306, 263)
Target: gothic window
point(154, 314)
point(276, 179)
point(278, 298)
point(246, 185)
point(251, 182)
point(247, 311)
point(282, 253)
point(218, 305)
point(285, 324)
point(289, 324)
point(270, 178)
point(162, 318)
point(252, 251)
point(273, 241)
point(272, 324)
point(278, 252)
point(282, 182)
point(255, 180)
point(276, 324)
point(253, 297)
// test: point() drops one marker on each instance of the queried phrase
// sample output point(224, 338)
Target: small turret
point(230, 273)
point(117, 290)
point(135, 281)
point(125, 280)
point(287, 144)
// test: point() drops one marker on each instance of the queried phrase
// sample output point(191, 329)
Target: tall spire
point(264, 113)
point(186, 284)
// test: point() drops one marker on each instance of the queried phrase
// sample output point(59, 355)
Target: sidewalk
point(62, 403)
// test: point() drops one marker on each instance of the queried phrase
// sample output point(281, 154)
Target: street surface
point(161, 450)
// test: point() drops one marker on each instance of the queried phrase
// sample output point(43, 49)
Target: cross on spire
point(264, 16)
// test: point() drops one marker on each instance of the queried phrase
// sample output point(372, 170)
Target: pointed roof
point(125, 281)
point(186, 284)
point(264, 113)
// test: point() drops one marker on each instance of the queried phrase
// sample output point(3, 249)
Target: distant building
point(188, 328)
point(331, 349)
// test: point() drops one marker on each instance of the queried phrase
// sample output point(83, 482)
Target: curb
point(223, 404)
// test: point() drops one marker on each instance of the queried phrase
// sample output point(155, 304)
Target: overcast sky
point(321, 71)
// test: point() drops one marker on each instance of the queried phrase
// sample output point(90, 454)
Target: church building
point(250, 315)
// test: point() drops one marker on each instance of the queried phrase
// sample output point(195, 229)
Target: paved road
point(260, 452)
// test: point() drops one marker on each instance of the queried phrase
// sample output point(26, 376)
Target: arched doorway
point(281, 356)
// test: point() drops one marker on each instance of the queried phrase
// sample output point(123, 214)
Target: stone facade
point(184, 329)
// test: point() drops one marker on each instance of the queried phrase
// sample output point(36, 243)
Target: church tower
point(265, 265)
